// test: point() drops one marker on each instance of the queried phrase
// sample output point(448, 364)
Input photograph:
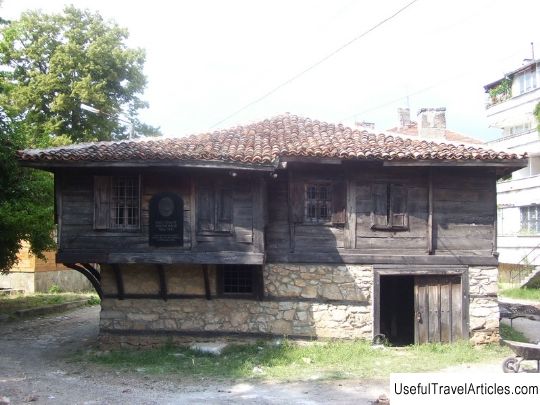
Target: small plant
point(54, 289)
point(94, 300)
point(504, 88)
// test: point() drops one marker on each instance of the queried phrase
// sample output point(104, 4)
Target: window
point(214, 208)
point(240, 281)
point(314, 202)
point(318, 205)
point(389, 211)
point(116, 202)
point(527, 80)
point(530, 219)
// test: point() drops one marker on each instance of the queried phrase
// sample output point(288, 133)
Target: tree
point(50, 65)
point(537, 115)
point(26, 203)
point(54, 62)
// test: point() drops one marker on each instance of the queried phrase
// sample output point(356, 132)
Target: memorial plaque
point(166, 220)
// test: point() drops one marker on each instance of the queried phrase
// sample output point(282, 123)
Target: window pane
point(125, 202)
point(237, 280)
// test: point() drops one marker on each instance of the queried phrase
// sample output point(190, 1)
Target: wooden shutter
point(102, 201)
point(379, 214)
point(205, 208)
point(398, 206)
point(224, 208)
point(296, 201)
point(339, 202)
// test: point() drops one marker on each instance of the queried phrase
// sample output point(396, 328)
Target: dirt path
point(34, 367)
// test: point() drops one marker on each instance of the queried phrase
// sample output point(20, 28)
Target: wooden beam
point(193, 212)
point(89, 275)
point(290, 182)
point(430, 213)
point(257, 192)
point(157, 256)
point(203, 164)
point(381, 257)
point(162, 282)
point(459, 163)
point(58, 209)
point(92, 270)
point(306, 159)
point(494, 198)
point(350, 226)
point(119, 281)
point(207, 292)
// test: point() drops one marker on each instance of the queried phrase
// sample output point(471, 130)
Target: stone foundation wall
point(483, 305)
point(300, 300)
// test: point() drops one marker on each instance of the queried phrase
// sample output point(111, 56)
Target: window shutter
point(379, 215)
point(398, 206)
point(224, 210)
point(339, 202)
point(102, 201)
point(296, 201)
point(205, 209)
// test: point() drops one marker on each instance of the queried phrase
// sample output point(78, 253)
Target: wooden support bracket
point(163, 292)
point(119, 281)
point(90, 275)
point(206, 282)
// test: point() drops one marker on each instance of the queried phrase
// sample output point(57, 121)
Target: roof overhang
point(52, 165)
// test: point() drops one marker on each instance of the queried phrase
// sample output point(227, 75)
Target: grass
point(11, 303)
point(531, 294)
point(509, 333)
point(292, 361)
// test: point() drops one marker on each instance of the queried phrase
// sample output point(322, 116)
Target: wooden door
point(438, 309)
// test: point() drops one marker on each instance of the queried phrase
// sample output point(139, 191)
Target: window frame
point(256, 281)
point(219, 221)
point(389, 213)
point(526, 224)
point(104, 204)
point(329, 203)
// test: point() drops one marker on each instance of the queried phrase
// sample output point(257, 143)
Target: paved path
point(35, 367)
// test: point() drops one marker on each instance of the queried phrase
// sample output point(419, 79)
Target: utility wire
point(314, 65)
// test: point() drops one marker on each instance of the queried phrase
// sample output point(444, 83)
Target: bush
point(55, 289)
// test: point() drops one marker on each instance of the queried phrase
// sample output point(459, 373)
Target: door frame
point(420, 270)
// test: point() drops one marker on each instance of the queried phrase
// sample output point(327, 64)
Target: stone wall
point(300, 300)
point(483, 304)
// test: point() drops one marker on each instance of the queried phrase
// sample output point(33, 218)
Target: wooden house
point(288, 226)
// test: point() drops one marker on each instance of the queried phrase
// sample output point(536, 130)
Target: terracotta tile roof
point(262, 143)
point(449, 135)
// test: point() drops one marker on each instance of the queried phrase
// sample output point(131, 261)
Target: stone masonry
point(483, 305)
point(301, 300)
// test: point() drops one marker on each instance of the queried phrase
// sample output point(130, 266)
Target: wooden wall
point(463, 205)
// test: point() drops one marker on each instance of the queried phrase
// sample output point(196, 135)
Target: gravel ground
point(34, 368)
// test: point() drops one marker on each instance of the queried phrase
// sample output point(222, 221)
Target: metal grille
point(125, 203)
point(530, 219)
point(318, 203)
point(237, 280)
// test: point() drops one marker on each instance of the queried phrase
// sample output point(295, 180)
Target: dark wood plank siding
point(234, 224)
point(463, 210)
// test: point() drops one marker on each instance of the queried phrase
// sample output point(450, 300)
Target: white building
point(511, 104)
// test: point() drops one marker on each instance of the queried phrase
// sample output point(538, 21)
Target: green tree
point(537, 115)
point(26, 202)
point(53, 63)
point(50, 64)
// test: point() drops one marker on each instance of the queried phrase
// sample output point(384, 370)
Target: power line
point(422, 90)
point(314, 65)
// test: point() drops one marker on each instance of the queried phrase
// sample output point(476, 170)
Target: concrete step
point(532, 279)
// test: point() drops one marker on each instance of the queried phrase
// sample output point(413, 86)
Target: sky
point(207, 59)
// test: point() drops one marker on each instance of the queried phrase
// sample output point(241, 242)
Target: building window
point(318, 203)
point(125, 203)
point(389, 211)
point(117, 202)
point(527, 80)
point(240, 281)
point(530, 219)
point(214, 208)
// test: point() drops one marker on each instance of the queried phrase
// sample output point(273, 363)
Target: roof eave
point(52, 165)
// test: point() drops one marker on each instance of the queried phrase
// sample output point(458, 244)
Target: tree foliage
point(50, 65)
point(53, 63)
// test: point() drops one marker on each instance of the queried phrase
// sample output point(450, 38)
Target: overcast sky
point(207, 59)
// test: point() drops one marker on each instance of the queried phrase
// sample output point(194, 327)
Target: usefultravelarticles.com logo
point(439, 388)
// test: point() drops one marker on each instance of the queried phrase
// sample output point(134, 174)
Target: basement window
point(240, 281)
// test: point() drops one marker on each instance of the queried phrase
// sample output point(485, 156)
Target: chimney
point(432, 122)
point(404, 117)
